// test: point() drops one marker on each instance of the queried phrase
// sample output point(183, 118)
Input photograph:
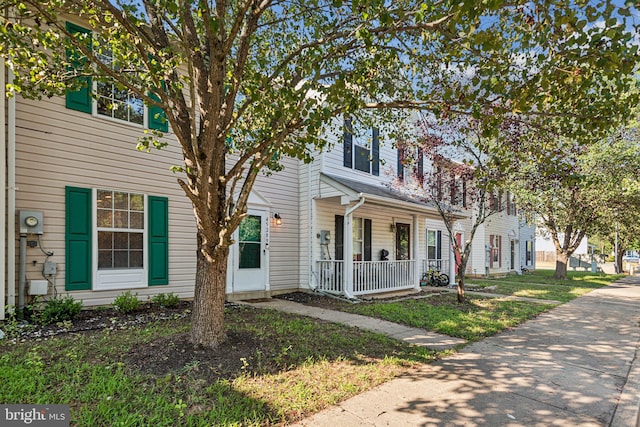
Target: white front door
point(250, 260)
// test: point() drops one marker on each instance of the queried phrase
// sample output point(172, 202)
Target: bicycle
point(434, 278)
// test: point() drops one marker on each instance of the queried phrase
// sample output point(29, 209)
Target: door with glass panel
point(249, 253)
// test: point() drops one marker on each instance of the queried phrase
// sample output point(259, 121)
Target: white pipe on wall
point(348, 248)
point(3, 185)
point(11, 200)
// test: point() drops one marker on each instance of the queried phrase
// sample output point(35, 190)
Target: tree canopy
point(242, 82)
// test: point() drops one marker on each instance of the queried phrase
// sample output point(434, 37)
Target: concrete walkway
point(400, 332)
point(572, 366)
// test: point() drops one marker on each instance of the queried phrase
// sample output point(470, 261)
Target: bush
point(166, 300)
point(126, 302)
point(60, 309)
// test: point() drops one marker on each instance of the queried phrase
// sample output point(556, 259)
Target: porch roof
point(377, 194)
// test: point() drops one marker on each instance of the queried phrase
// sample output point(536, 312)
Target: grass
point(541, 284)
point(477, 318)
point(299, 366)
point(292, 367)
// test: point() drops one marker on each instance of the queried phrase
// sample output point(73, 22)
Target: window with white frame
point(358, 239)
point(115, 101)
point(120, 228)
point(361, 147)
point(434, 248)
point(120, 237)
point(108, 98)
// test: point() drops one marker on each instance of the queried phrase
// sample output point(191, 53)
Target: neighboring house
point(546, 251)
point(359, 236)
point(500, 243)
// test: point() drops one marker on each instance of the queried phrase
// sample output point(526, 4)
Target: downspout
point(3, 185)
point(312, 284)
point(347, 281)
point(11, 200)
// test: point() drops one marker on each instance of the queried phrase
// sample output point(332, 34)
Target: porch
point(373, 277)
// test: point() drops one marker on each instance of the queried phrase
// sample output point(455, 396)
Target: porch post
point(347, 276)
point(452, 260)
point(415, 256)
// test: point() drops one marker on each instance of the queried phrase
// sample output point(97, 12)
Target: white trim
point(11, 198)
point(106, 280)
point(3, 185)
point(232, 264)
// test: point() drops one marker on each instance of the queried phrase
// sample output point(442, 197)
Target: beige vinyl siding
point(57, 147)
point(309, 248)
point(281, 191)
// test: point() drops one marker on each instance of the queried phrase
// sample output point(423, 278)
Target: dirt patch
point(175, 355)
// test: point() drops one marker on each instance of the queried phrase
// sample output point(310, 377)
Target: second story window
point(116, 102)
point(106, 98)
point(361, 147)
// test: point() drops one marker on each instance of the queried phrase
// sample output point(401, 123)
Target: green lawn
point(475, 319)
point(541, 284)
point(295, 366)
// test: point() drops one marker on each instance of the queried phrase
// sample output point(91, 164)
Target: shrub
point(166, 300)
point(126, 302)
point(60, 309)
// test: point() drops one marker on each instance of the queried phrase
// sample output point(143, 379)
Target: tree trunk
point(619, 255)
point(461, 296)
point(562, 260)
point(207, 318)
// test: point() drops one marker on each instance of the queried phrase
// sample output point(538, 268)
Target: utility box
point(30, 222)
point(38, 287)
point(325, 237)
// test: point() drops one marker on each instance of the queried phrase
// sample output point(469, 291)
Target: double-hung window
point(116, 102)
point(361, 147)
point(108, 98)
point(115, 239)
point(434, 249)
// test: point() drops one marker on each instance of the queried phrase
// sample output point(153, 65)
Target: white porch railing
point(369, 277)
point(329, 275)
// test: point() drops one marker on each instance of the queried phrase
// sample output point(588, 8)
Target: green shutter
point(79, 100)
point(158, 234)
point(157, 118)
point(78, 239)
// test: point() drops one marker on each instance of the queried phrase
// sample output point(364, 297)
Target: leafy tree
point(243, 82)
point(460, 178)
point(575, 190)
point(617, 163)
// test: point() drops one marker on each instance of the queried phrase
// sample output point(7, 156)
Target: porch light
point(278, 219)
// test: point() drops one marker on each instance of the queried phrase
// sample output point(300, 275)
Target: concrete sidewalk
point(400, 332)
point(572, 366)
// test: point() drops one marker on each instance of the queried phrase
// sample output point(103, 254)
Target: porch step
point(407, 334)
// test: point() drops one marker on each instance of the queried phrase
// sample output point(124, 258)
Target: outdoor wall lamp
point(278, 219)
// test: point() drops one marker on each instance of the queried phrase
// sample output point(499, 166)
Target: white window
point(115, 101)
point(358, 239)
point(434, 249)
point(120, 236)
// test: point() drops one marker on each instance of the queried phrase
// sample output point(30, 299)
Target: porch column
point(347, 274)
point(452, 260)
point(415, 250)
